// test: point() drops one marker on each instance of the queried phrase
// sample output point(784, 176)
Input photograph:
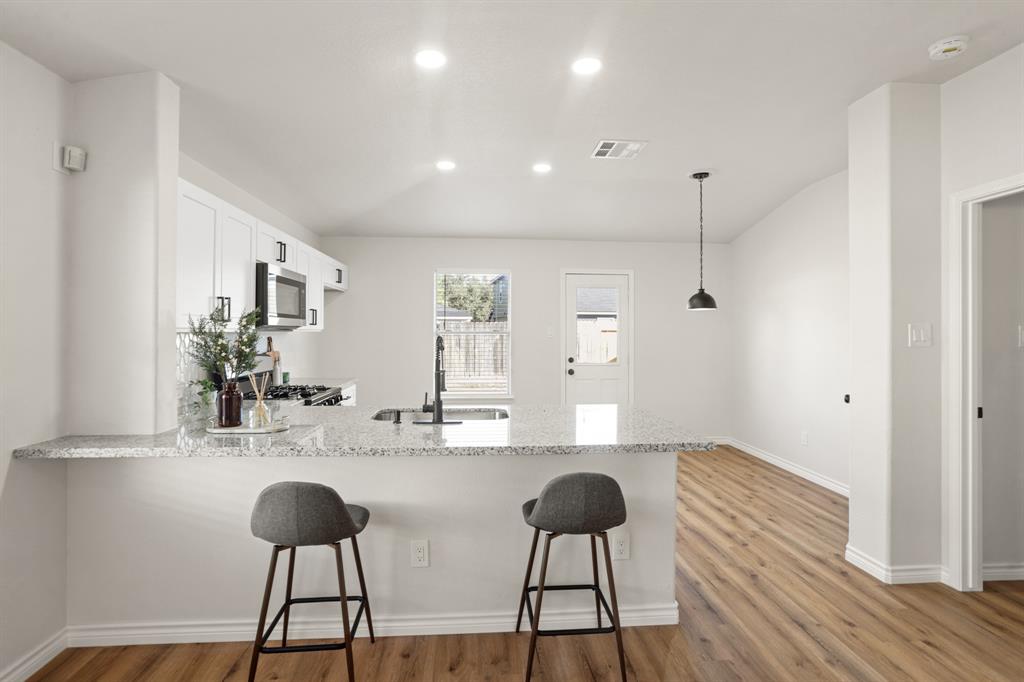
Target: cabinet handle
point(339, 275)
point(280, 252)
point(313, 316)
point(228, 299)
point(285, 245)
point(316, 317)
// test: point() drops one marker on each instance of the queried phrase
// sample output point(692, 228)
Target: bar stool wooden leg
point(597, 583)
point(540, 597)
point(344, 613)
point(263, 614)
point(362, 588)
point(615, 605)
point(288, 596)
point(526, 581)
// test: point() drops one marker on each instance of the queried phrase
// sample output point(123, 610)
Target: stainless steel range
point(313, 395)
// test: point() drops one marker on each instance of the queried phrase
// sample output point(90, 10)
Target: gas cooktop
point(311, 394)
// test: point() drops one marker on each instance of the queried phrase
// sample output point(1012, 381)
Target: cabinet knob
point(571, 372)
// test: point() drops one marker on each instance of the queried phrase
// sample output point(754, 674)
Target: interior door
point(597, 334)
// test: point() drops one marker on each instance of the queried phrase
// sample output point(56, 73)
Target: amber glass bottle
point(229, 405)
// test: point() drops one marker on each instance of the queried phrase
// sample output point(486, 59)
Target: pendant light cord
point(700, 185)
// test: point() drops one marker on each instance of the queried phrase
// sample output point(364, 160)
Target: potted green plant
point(226, 355)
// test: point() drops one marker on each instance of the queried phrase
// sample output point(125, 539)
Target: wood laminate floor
point(764, 594)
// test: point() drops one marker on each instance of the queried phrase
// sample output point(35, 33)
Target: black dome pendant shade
point(701, 300)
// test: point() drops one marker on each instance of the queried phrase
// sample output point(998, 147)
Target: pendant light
point(701, 300)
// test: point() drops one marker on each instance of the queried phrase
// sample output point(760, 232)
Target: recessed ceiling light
point(430, 59)
point(445, 165)
point(541, 168)
point(586, 66)
point(947, 48)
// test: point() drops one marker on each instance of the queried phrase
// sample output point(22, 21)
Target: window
point(471, 313)
point(597, 326)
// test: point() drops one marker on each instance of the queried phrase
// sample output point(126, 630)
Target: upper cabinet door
point(315, 292)
point(267, 250)
point(237, 265)
point(198, 218)
point(277, 248)
point(335, 275)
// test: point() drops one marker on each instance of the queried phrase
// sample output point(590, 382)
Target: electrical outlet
point(620, 546)
point(803, 438)
point(419, 553)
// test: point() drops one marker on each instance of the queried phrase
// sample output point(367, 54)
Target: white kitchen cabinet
point(335, 275)
point(310, 263)
point(198, 218)
point(215, 260)
point(237, 264)
point(276, 247)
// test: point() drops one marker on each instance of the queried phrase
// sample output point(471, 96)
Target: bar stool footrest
point(571, 631)
point(333, 646)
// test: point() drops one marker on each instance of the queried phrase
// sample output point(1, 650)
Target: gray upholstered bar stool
point(296, 514)
point(574, 504)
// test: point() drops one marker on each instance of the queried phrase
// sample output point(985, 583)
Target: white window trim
point(485, 397)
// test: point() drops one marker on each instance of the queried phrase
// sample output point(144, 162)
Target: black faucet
point(439, 385)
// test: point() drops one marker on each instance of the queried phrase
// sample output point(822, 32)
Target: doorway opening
point(981, 387)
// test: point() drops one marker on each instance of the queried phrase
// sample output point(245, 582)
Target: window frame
point(473, 396)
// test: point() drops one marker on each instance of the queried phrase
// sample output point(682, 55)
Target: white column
point(895, 473)
point(121, 257)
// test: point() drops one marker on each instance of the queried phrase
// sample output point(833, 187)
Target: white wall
point(34, 112)
point(791, 331)
point(895, 264)
point(121, 257)
point(982, 141)
point(216, 184)
point(160, 550)
point(870, 325)
point(683, 362)
point(1003, 382)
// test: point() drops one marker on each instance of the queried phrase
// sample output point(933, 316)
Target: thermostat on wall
point(74, 158)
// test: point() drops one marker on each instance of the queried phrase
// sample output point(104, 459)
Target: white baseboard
point(792, 467)
point(893, 575)
point(1002, 571)
point(325, 628)
point(24, 667)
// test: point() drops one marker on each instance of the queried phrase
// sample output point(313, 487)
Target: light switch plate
point(919, 335)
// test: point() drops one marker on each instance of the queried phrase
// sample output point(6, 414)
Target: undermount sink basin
point(454, 414)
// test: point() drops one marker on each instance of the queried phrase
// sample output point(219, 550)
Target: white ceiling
point(317, 108)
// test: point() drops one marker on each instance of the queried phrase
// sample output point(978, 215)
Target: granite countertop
point(350, 432)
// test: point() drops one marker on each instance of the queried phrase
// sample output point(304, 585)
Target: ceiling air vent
point(618, 149)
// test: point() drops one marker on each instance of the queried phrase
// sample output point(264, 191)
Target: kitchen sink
point(454, 414)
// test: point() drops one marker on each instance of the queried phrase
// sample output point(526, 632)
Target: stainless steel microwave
point(281, 297)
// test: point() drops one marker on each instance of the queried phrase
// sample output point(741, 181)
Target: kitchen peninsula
point(173, 509)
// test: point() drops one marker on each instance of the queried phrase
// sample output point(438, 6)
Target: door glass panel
point(597, 325)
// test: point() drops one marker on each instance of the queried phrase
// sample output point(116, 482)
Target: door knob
point(571, 372)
